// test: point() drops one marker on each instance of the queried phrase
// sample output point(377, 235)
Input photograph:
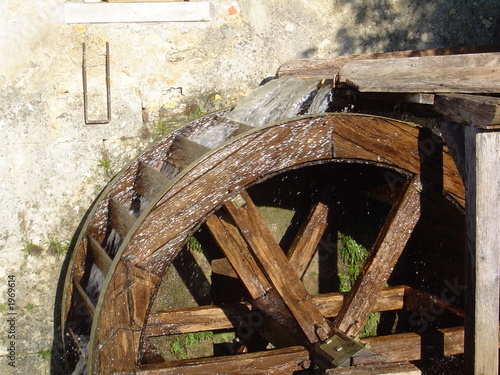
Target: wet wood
point(84, 298)
point(211, 318)
point(120, 218)
point(380, 262)
point(236, 250)
point(331, 66)
point(150, 182)
point(476, 110)
point(307, 240)
point(474, 73)
point(101, 258)
point(279, 361)
point(276, 267)
point(398, 368)
point(234, 165)
point(183, 152)
point(482, 149)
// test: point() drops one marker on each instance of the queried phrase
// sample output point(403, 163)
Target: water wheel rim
point(321, 139)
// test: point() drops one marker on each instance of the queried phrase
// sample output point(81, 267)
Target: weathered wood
point(331, 66)
point(101, 258)
point(279, 361)
point(183, 152)
point(84, 298)
point(150, 182)
point(395, 368)
point(120, 218)
point(262, 153)
point(232, 244)
point(378, 266)
point(276, 267)
point(306, 242)
point(476, 110)
point(211, 318)
point(474, 73)
point(483, 247)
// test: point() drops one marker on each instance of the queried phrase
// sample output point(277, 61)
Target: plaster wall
point(52, 165)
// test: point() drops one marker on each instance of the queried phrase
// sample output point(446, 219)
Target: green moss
point(29, 307)
point(58, 247)
point(183, 346)
point(30, 248)
point(44, 354)
point(353, 255)
point(105, 164)
point(194, 244)
point(3, 308)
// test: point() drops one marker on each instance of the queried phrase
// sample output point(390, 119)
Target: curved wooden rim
point(158, 234)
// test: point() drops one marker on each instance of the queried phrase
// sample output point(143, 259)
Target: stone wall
point(52, 165)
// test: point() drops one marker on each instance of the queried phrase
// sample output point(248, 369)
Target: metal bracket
point(108, 88)
point(341, 349)
point(238, 201)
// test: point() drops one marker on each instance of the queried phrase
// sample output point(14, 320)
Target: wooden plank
point(474, 73)
point(483, 246)
point(276, 267)
point(380, 262)
point(120, 218)
point(183, 152)
point(306, 242)
point(84, 298)
point(211, 318)
point(332, 65)
point(279, 361)
point(229, 240)
point(101, 258)
point(481, 111)
point(104, 12)
point(394, 368)
point(150, 182)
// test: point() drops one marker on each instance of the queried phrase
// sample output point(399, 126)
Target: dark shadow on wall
point(390, 25)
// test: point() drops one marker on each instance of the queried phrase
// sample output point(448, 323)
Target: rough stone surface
point(52, 165)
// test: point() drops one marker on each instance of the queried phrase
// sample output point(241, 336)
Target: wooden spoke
point(306, 242)
point(279, 361)
point(211, 318)
point(236, 250)
point(389, 245)
point(276, 267)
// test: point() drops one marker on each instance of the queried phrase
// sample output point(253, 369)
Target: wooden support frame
point(482, 150)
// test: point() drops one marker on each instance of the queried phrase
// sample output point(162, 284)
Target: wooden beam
point(149, 181)
point(229, 240)
point(330, 66)
point(278, 361)
point(119, 217)
point(210, 318)
point(276, 267)
point(378, 266)
point(474, 73)
point(306, 242)
point(476, 110)
point(101, 258)
point(483, 249)
point(394, 368)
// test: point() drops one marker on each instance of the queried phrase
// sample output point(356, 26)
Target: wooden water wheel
point(182, 205)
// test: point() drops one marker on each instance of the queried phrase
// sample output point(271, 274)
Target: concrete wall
point(52, 165)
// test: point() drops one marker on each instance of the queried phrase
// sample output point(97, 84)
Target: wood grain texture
point(483, 246)
point(226, 171)
point(473, 73)
point(331, 66)
point(381, 260)
point(476, 110)
point(208, 318)
point(278, 361)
